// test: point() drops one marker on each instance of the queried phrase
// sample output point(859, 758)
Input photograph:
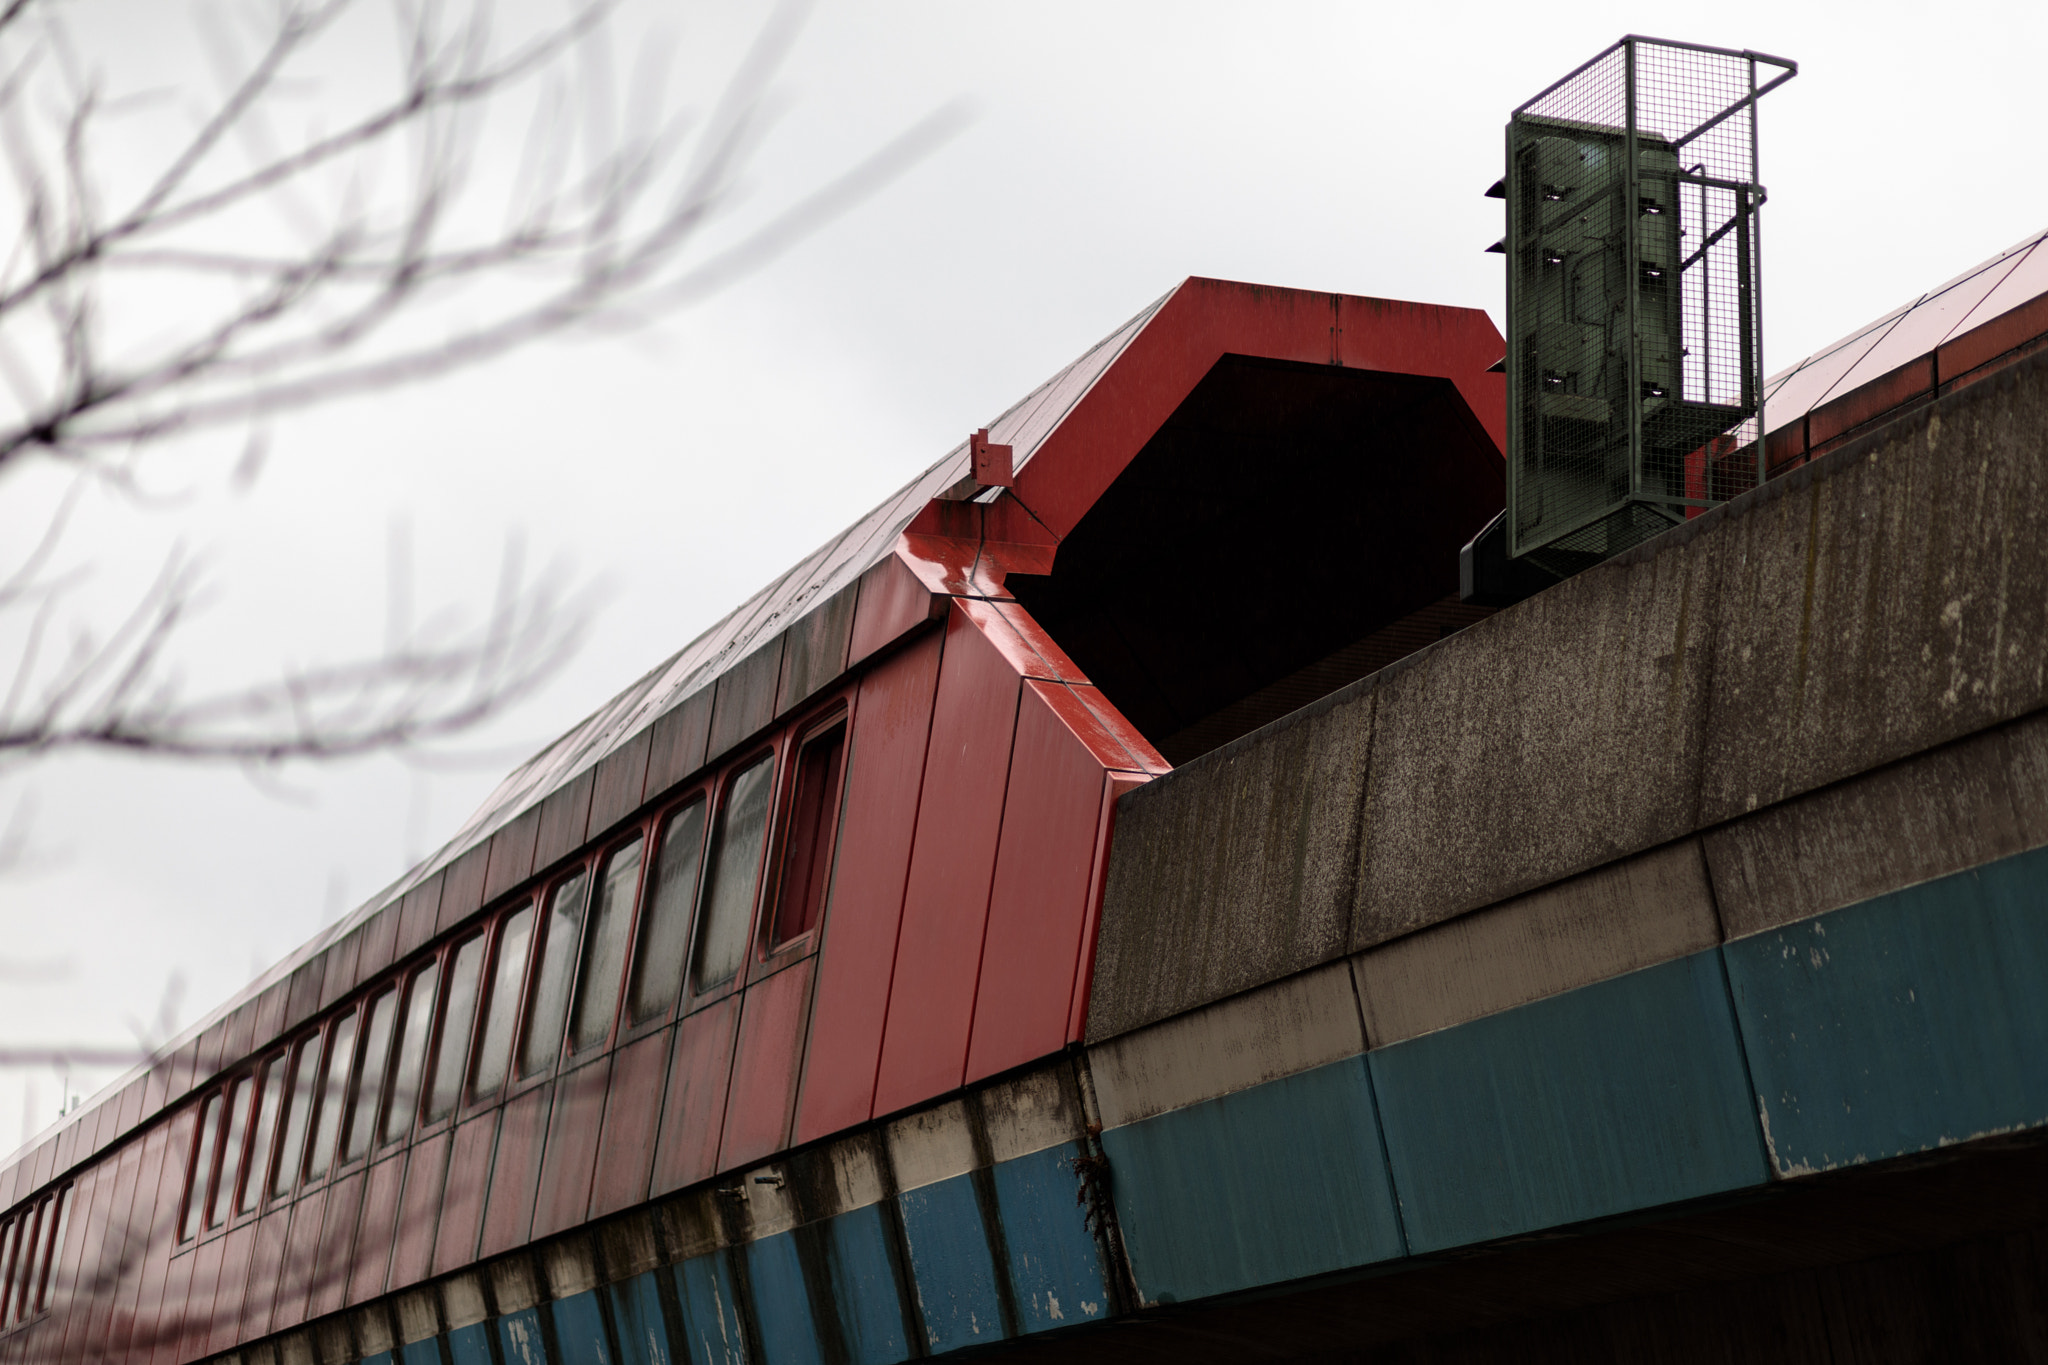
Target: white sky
point(1112, 150)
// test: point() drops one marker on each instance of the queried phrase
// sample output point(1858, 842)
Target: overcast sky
point(1110, 151)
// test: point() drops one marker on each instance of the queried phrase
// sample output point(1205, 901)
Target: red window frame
point(654, 830)
point(768, 955)
point(495, 923)
point(597, 864)
point(720, 787)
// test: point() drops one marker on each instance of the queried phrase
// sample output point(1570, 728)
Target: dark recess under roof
point(1285, 512)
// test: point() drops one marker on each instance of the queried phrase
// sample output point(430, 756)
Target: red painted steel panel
point(212, 1047)
point(65, 1144)
point(1040, 900)
point(884, 774)
point(418, 914)
point(462, 1204)
point(1914, 379)
point(146, 1218)
point(745, 700)
point(814, 650)
point(564, 820)
point(462, 888)
point(1099, 727)
point(118, 1247)
point(380, 948)
point(1205, 319)
point(693, 1109)
point(945, 902)
point(266, 1270)
point(234, 1286)
point(766, 1063)
point(376, 1230)
point(164, 1330)
point(678, 747)
point(158, 1082)
point(892, 601)
point(131, 1103)
point(564, 1194)
point(515, 1171)
point(337, 1236)
point(632, 1117)
point(1990, 340)
point(241, 1040)
point(43, 1164)
point(74, 1287)
point(340, 976)
point(197, 1327)
point(1025, 660)
point(1115, 787)
point(159, 1238)
point(302, 1000)
point(302, 1250)
point(944, 563)
point(621, 778)
point(511, 856)
point(412, 1252)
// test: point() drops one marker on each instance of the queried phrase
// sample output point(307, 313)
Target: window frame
point(233, 1087)
point(720, 784)
point(569, 1058)
point(767, 957)
point(329, 1027)
point(257, 1166)
point(445, 955)
point(405, 981)
point(654, 829)
point(541, 894)
point(198, 1197)
point(468, 1104)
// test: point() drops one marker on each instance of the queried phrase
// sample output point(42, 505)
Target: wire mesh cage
point(1635, 370)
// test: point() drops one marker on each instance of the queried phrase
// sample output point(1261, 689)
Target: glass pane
point(341, 1047)
point(25, 1264)
point(230, 1154)
point(202, 1168)
point(604, 948)
point(412, 1053)
point(63, 1224)
point(494, 1048)
point(10, 1238)
point(269, 1094)
point(369, 1087)
point(735, 871)
point(807, 858)
point(464, 974)
point(665, 925)
point(549, 1008)
point(304, 1063)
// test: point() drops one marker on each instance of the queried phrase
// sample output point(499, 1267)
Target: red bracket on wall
point(991, 461)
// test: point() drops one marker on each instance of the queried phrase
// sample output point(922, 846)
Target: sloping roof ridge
point(1878, 328)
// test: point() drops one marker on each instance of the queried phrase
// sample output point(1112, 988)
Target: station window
point(10, 1245)
point(501, 1010)
point(604, 948)
point(53, 1247)
point(458, 1015)
point(196, 1189)
point(733, 875)
point(807, 847)
point(410, 1068)
point(236, 1121)
point(341, 1050)
point(298, 1116)
point(665, 923)
point(269, 1098)
point(361, 1125)
point(23, 1278)
point(548, 1007)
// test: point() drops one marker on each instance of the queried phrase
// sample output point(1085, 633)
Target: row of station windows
point(31, 1240)
point(606, 948)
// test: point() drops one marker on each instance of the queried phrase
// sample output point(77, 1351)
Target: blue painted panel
point(519, 1337)
point(1272, 1183)
point(782, 1307)
point(711, 1319)
point(1907, 1022)
point(949, 1261)
point(469, 1345)
point(428, 1352)
point(579, 1329)
point(636, 1311)
point(381, 1358)
point(864, 1287)
point(1625, 1094)
point(1055, 1265)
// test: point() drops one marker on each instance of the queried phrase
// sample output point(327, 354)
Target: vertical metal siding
point(632, 1116)
point(462, 1202)
point(567, 1167)
point(773, 1016)
point(952, 864)
point(884, 775)
point(693, 1111)
point(1040, 897)
point(419, 1210)
point(515, 1171)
